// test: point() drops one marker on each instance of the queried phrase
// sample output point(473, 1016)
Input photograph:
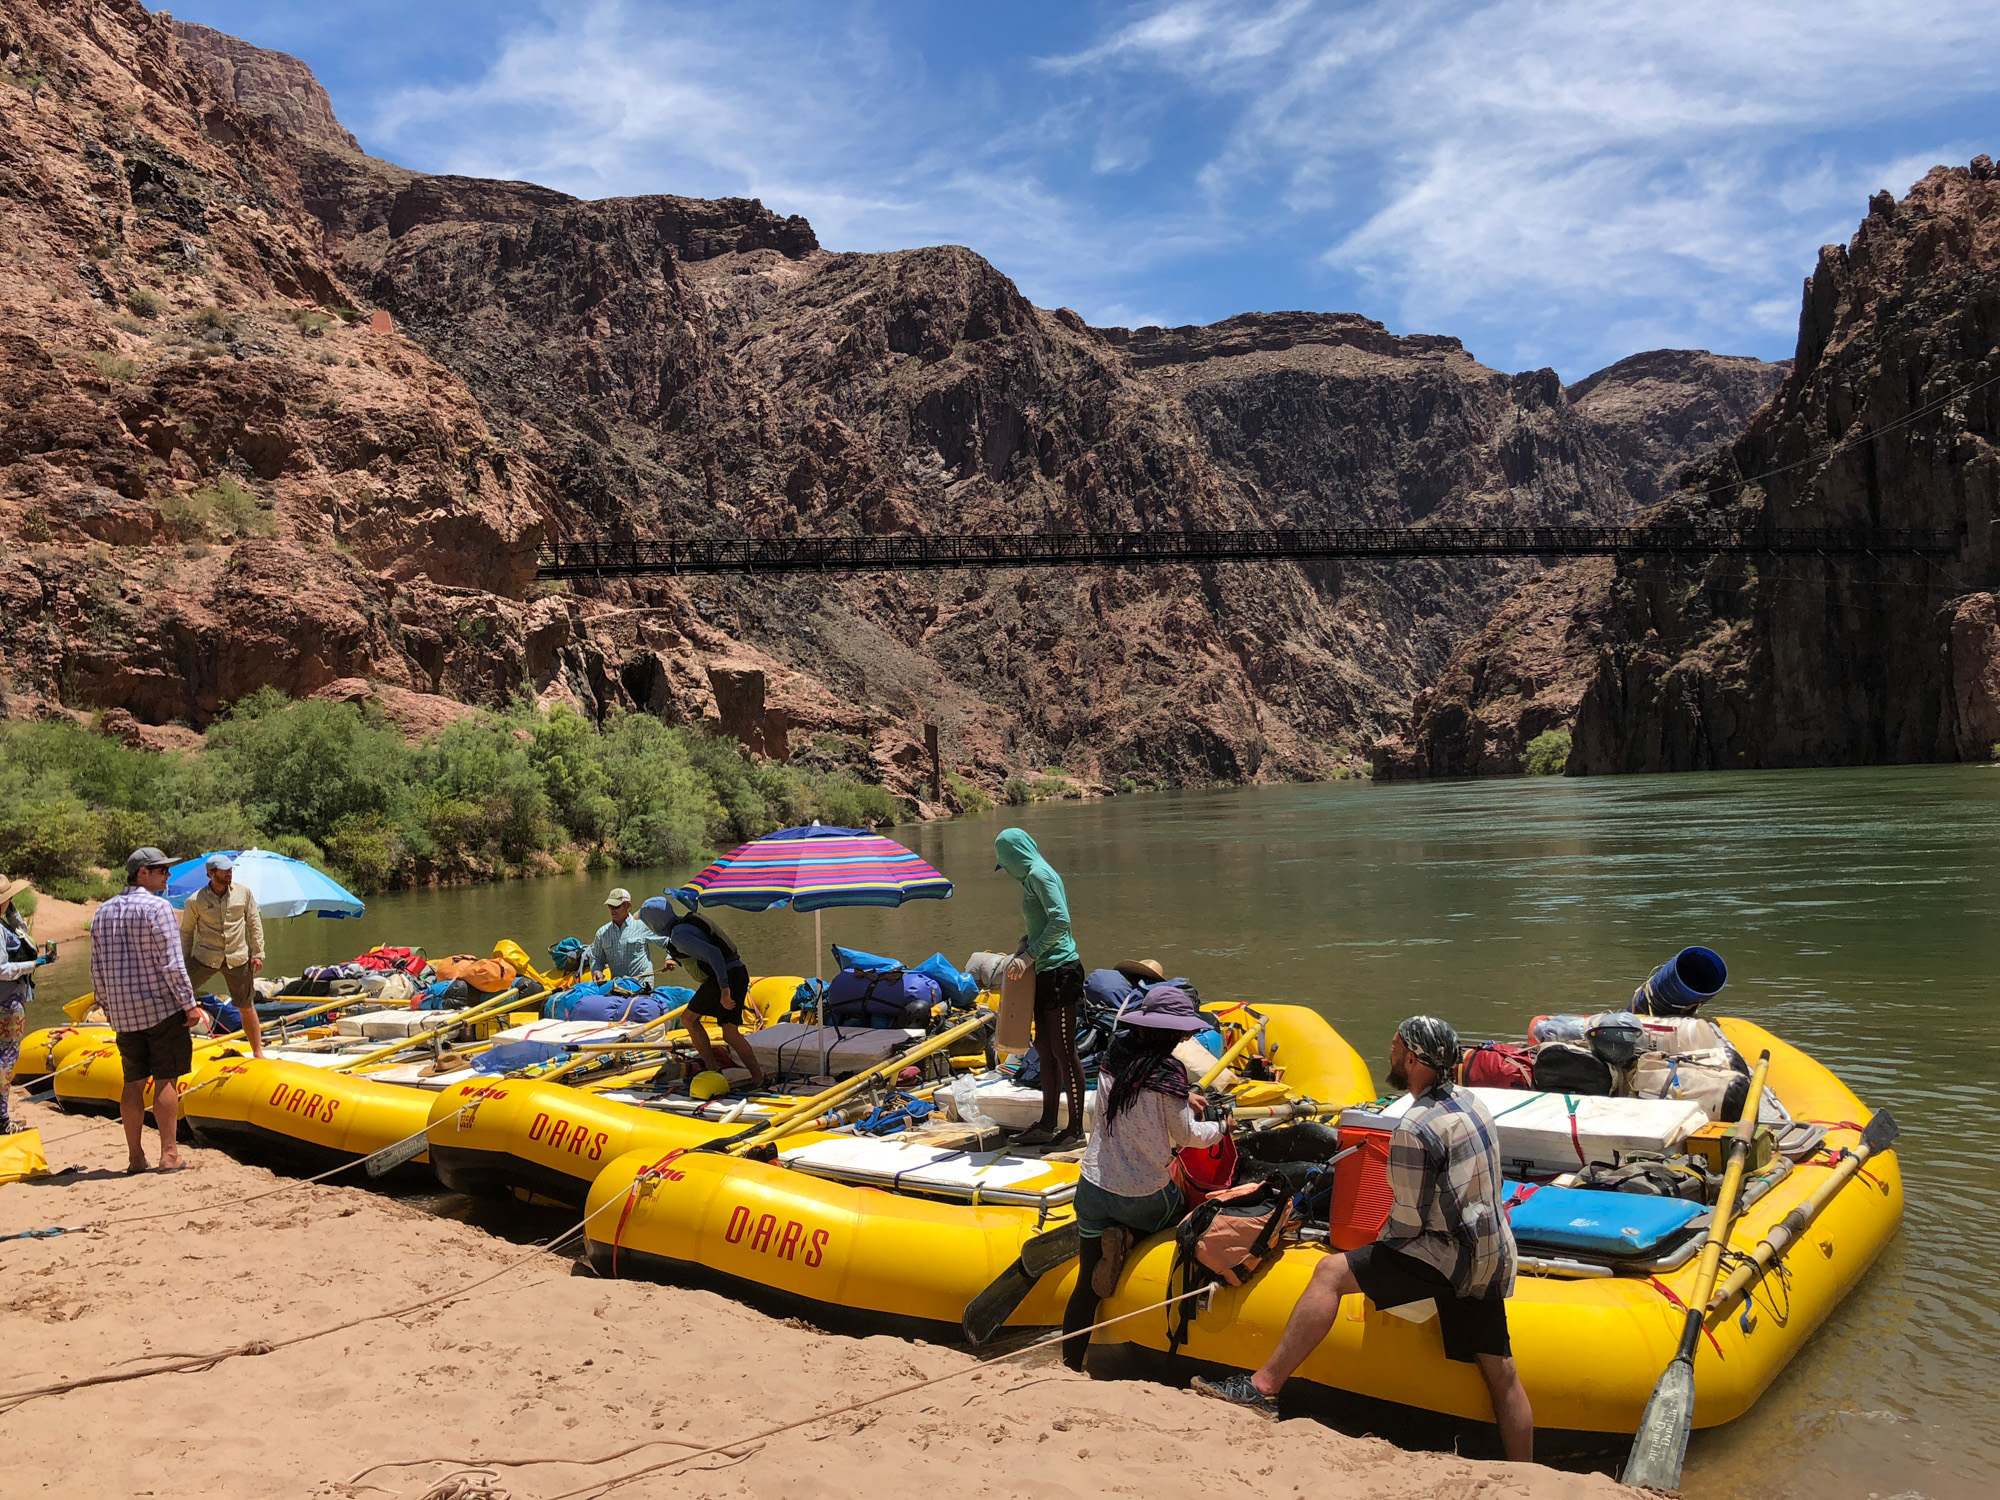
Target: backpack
point(1204, 1171)
point(1226, 1239)
point(730, 957)
point(1706, 1078)
point(882, 1000)
point(1657, 1177)
point(1497, 1065)
point(1572, 1068)
point(1617, 1037)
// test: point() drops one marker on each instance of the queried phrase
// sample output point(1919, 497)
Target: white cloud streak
point(1556, 180)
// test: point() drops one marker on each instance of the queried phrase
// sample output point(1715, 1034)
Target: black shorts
point(163, 1053)
point(708, 999)
point(1063, 986)
point(1470, 1325)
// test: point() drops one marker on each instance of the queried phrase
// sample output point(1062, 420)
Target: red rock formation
point(221, 478)
point(1887, 417)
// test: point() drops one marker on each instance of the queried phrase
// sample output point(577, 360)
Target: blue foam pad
point(1599, 1222)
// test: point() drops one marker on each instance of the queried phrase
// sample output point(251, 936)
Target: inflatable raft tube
point(852, 1255)
point(1589, 1350)
point(50, 1048)
point(91, 1078)
point(847, 1257)
point(292, 1113)
point(491, 1137)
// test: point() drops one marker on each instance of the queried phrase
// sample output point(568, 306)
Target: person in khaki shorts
point(221, 933)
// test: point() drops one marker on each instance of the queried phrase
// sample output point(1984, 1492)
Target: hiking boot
point(1104, 1277)
point(1035, 1135)
point(1238, 1391)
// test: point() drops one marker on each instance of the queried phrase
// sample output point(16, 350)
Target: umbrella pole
point(819, 993)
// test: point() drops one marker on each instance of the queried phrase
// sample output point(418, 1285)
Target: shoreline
point(552, 1362)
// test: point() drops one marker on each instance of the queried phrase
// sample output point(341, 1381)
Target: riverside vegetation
point(511, 792)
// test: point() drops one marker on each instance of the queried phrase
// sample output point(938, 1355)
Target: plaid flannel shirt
point(1444, 1176)
point(136, 966)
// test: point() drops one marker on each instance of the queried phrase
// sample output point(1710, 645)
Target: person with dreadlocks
point(1446, 1241)
point(1142, 1112)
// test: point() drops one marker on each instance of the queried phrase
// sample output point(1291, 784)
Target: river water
point(1859, 912)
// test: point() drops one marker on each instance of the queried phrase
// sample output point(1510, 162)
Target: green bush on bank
point(1548, 753)
point(499, 793)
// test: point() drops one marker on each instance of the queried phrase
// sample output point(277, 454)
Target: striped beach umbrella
point(809, 869)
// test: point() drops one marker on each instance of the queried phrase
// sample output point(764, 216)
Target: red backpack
point(1497, 1065)
point(1204, 1171)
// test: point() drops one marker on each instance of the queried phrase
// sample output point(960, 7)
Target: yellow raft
point(52, 1047)
point(297, 1114)
point(1589, 1351)
point(853, 1255)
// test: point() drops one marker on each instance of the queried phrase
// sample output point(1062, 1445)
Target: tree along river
point(1858, 910)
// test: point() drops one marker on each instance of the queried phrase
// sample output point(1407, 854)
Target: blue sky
point(1557, 182)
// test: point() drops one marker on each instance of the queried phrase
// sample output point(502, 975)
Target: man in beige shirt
point(221, 933)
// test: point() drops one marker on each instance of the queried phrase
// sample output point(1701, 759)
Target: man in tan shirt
point(222, 933)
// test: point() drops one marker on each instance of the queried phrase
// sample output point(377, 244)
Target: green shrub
point(307, 768)
point(112, 367)
point(368, 851)
point(971, 800)
point(849, 803)
point(312, 323)
point(1548, 753)
point(144, 303)
point(1016, 792)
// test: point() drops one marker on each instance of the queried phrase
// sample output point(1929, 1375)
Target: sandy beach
point(546, 1361)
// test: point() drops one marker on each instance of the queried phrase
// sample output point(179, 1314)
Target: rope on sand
point(740, 1448)
point(9, 1400)
point(98, 1225)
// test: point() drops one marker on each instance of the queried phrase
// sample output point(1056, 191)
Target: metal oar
point(1880, 1135)
point(1660, 1444)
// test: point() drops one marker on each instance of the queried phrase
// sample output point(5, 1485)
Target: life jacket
point(732, 958)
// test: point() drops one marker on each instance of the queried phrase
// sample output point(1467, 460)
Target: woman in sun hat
point(1143, 1111)
point(18, 963)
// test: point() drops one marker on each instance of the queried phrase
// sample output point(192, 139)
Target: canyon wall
point(1887, 418)
point(220, 475)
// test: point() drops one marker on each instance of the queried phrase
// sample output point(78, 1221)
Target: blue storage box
point(1598, 1222)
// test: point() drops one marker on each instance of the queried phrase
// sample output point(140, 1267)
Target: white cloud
point(1551, 179)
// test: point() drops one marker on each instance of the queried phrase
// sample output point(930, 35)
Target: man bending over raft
point(693, 939)
point(1446, 1238)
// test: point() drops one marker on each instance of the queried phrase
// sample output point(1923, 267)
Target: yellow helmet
point(708, 1085)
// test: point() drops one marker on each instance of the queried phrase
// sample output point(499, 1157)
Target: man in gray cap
point(142, 987)
point(1446, 1241)
point(222, 933)
point(621, 945)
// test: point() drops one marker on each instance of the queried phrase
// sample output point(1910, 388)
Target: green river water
point(1859, 912)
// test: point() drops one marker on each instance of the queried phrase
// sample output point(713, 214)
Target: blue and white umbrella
point(284, 887)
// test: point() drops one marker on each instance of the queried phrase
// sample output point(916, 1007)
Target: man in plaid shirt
point(142, 986)
point(1446, 1241)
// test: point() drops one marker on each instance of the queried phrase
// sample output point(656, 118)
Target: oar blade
point(989, 1311)
point(1044, 1252)
point(385, 1161)
point(1660, 1445)
point(1882, 1132)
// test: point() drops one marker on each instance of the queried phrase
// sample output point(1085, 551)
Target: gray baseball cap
point(145, 859)
point(221, 862)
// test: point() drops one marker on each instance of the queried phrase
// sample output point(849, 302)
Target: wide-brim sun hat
point(1141, 970)
point(13, 888)
point(1165, 1007)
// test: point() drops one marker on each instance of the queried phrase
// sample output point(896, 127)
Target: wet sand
point(548, 1362)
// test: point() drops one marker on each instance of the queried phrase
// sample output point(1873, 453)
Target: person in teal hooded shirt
point(1058, 985)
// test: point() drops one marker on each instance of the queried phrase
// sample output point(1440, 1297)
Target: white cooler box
point(1536, 1133)
point(388, 1024)
point(794, 1047)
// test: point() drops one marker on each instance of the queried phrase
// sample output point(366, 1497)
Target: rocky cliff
point(1886, 418)
point(222, 474)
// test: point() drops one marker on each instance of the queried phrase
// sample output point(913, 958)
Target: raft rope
point(605, 1486)
point(1668, 1292)
point(9, 1400)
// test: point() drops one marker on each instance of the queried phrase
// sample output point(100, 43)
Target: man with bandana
point(1446, 1240)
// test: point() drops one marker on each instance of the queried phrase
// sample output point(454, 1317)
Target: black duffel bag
point(1572, 1068)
